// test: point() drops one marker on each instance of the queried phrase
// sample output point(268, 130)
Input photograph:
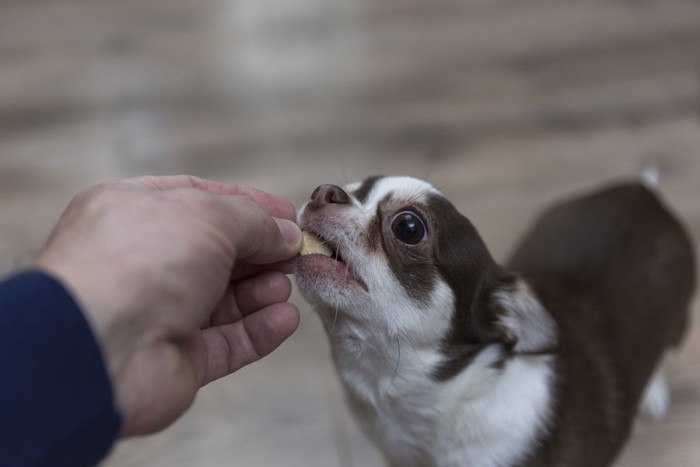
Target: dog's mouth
point(325, 256)
point(316, 244)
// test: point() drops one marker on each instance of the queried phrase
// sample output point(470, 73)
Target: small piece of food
point(314, 246)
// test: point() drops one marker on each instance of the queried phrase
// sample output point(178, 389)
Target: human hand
point(182, 280)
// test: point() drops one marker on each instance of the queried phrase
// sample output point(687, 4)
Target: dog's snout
point(328, 194)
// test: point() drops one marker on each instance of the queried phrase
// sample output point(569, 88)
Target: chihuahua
point(449, 359)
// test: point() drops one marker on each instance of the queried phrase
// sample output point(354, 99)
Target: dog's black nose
point(328, 194)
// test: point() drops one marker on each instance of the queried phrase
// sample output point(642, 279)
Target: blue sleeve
point(56, 402)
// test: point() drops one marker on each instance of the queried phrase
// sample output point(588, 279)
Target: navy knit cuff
point(56, 400)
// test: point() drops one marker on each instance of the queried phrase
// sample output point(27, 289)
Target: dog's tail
point(650, 176)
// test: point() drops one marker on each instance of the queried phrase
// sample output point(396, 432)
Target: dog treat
point(313, 245)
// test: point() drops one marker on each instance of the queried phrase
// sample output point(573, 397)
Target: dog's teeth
point(312, 245)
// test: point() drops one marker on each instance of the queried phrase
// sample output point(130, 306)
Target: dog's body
point(449, 359)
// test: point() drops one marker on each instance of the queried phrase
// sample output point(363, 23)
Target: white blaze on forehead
point(401, 188)
point(352, 187)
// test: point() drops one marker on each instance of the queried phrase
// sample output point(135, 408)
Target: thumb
point(259, 238)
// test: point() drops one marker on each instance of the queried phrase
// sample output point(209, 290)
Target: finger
point(275, 205)
point(248, 226)
point(262, 290)
point(256, 237)
point(250, 295)
point(243, 270)
point(229, 348)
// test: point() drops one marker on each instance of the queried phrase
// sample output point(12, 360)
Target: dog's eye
point(408, 228)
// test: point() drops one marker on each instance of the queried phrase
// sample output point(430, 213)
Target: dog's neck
point(490, 414)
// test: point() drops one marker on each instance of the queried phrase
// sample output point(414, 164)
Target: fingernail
point(290, 232)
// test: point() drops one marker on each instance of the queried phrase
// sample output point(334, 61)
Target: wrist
point(107, 326)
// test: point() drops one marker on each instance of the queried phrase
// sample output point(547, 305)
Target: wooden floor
point(506, 105)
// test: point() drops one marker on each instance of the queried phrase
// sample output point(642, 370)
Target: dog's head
point(404, 262)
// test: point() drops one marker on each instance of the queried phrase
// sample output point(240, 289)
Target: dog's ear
point(522, 320)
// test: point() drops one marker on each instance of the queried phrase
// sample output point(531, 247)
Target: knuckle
point(93, 195)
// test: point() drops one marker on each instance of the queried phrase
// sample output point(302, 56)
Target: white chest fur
point(483, 417)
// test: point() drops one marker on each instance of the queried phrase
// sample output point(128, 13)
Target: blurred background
point(505, 105)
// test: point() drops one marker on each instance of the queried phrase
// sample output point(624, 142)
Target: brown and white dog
point(449, 359)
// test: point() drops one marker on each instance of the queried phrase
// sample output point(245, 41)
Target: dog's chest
point(394, 402)
point(483, 417)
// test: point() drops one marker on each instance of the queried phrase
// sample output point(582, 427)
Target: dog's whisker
point(309, 310)
point(335, 319)
point(343, 172)
point(396, 368)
